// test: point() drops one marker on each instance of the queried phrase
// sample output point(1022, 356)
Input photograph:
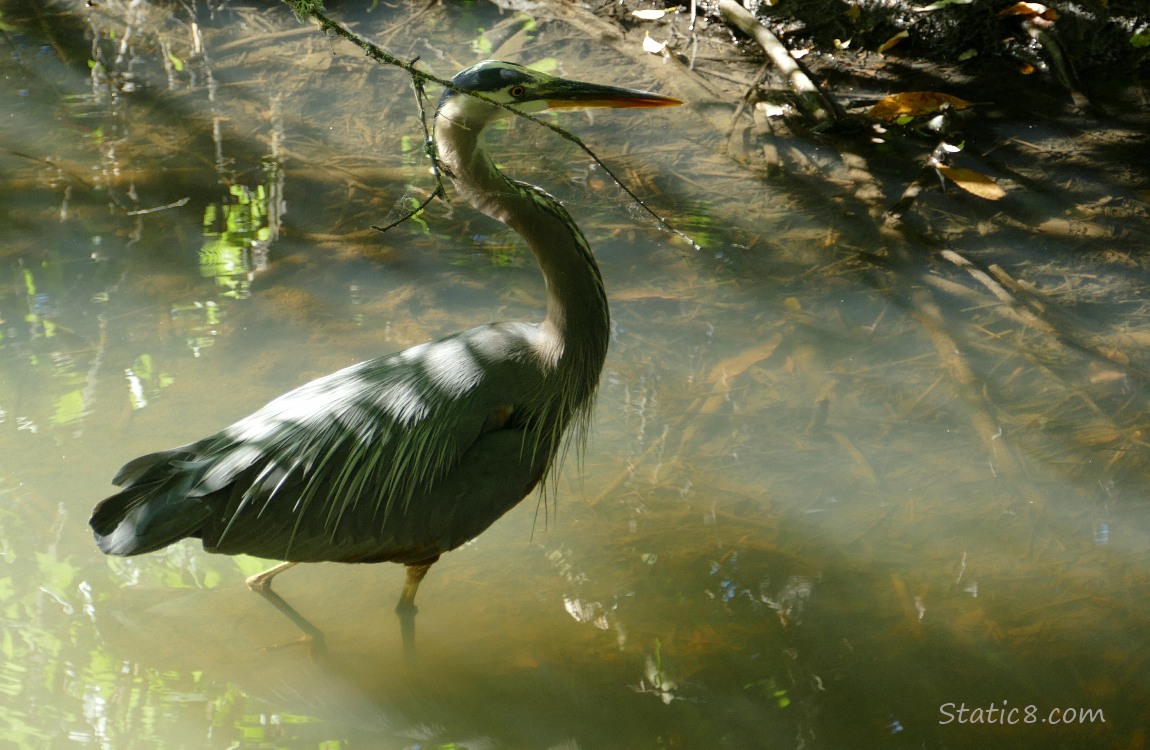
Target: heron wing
point(340, 458)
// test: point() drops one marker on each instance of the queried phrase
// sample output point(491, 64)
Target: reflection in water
point(236, 238)
point(791, 528)
point(197, 322)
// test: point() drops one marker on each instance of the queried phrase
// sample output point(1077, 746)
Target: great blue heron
point(407, 456)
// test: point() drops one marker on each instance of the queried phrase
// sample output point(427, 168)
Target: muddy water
point(791, 528)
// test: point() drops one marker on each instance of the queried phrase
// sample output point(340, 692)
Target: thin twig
point(436, 169)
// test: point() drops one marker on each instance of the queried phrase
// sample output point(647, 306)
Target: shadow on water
point(790, 528)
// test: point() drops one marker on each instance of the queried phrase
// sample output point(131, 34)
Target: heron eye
point(517, 91)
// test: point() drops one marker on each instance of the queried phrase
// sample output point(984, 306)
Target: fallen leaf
point(1100, 374)
point(893, 41)
point(1074, 228)
point(972, 182)
point(732, 367)
point(1097, 434)
point(1029, 10)
point(914, 103)
point(652, 46)
point(770, 109)
point(940, 5)
point(649, 15)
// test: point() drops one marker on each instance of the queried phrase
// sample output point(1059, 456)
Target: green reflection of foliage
point(489, 39)
point(40, 296)
point(249, 566)
point(656, 680)
point(695, 219)
point(61, 684)
point(548, 65)
point(231, 231)
point(180, 566)
point(145, 381)
point(69, 407)
point(770, 690)
point(55, 575)
point(35, 290)
point(198, 323)
point(482, 45)
point(418, 217)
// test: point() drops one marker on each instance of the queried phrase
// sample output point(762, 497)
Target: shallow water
point(790, 528)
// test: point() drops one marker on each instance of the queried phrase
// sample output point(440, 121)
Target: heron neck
point(575, 331)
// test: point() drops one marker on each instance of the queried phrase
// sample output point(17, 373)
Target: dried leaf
point(1029, 10)
point(732, 367)
point(972, 182)
point(652, 46)
point(644, 294)
point(893, 41)
point(1100, 374)
point(940, 5)
point(1097, 434)
point(1074, 228)
point(914, 103)
point(1134, 338)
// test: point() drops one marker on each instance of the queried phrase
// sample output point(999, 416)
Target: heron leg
point(415, 574)
point(263, 581)
point(313, 638)
point(406, 608)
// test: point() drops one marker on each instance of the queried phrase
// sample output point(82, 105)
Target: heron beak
point(579, 95)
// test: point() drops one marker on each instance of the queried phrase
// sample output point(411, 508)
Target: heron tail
point(154, 508)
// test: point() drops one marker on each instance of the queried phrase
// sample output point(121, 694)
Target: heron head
point(532, 91)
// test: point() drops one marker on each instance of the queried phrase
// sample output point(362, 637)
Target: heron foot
point(313, 638)
point(263, 581)
point(314, 643)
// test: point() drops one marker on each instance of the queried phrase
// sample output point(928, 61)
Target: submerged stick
point(817, 104)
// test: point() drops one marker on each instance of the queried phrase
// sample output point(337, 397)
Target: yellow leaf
point(914, 103)
point(972, 182)
point(893, 41)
